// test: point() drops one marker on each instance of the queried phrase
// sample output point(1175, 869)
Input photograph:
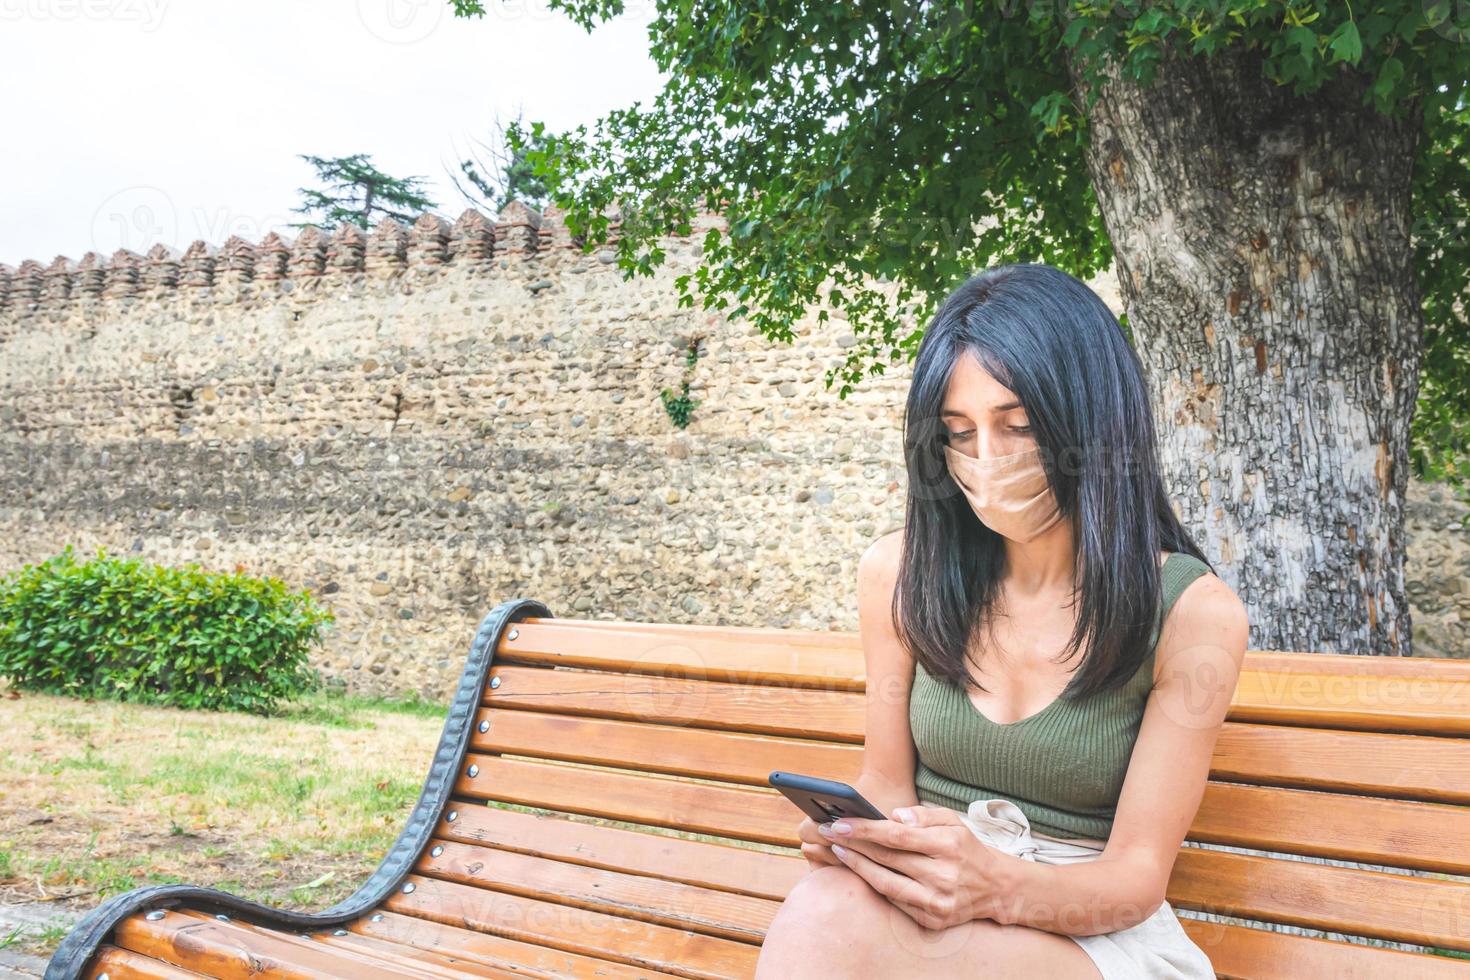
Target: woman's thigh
point(833, 923)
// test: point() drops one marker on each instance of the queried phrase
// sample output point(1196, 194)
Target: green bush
point(131, 631)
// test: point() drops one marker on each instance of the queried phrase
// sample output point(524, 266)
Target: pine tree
point(359, 192)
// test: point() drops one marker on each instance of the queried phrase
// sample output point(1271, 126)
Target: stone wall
point(419, 423)
point(1438, 571)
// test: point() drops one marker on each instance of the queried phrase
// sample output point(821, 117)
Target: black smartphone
point(824, 800)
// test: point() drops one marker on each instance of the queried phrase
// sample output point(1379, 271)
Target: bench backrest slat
point(834, 715)
point(717, 656)
point(676, 750)
point(1406, 767)
point(720, 809)
point(1427, 836)
point(1349, 900)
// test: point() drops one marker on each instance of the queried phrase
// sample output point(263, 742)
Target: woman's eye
point(1020, 428)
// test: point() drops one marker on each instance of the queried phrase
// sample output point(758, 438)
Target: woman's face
point(980, 416)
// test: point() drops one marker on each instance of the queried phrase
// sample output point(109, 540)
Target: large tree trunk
point(1263, 258)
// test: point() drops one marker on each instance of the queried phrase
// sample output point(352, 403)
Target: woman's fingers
point(807, 832)
point(819, 854)
point(910, 863)
point(814, 846)
point(895, 885)
point(931, 836)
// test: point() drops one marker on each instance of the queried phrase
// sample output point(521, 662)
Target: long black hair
point(1052, 341)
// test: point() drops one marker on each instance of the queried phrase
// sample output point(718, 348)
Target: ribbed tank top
point(1064, 765)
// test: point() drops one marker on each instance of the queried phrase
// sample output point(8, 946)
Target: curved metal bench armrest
point(76, 950)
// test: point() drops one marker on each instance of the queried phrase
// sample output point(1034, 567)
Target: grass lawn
point(97, 797)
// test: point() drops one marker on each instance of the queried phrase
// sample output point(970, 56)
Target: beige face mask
point(1009, 494)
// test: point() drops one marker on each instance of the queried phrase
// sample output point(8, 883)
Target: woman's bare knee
point(821, 925)
point(833, 923)
point(832, 898)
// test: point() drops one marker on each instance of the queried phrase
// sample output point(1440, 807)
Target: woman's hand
point(928, 863)
point(817, 849)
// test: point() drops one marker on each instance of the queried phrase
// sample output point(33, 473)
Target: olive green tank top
point(1064, 765)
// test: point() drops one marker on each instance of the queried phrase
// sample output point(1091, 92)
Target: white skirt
point(1157, 948)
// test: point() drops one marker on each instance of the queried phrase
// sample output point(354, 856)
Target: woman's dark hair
point(1052, 341)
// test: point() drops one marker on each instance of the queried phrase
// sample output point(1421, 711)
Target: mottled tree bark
point(1263, 258)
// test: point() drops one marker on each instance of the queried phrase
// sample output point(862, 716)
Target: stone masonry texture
point(417, 423)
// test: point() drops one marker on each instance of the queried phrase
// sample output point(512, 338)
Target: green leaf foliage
point(873, 154)
point(1440, 232)
point(127, 630)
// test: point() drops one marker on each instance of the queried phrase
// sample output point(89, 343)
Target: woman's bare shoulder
point(878, 567)
point(878, 570)
point(1206, 631)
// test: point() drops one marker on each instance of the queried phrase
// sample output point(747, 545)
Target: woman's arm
point(1199, 656)
point(887, 776)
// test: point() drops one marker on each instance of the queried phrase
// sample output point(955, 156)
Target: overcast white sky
point(129, 122)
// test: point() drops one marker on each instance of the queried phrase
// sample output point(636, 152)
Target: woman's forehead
point(973, 391)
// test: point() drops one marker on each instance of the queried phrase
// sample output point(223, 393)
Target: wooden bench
point(670, 731)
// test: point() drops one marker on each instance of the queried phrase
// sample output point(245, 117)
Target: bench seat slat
point(124, 964)
point(1356, 901)
point(484, 947)
point(625, 893)
point(375, 950)
point(1258, 954)
point(676, 750)
point(224, 950)
point(709, 864)
point(681, 952)
point(441, 965)
point(751, 708)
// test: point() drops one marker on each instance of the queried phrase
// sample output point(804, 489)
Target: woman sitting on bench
point(1049, 661)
